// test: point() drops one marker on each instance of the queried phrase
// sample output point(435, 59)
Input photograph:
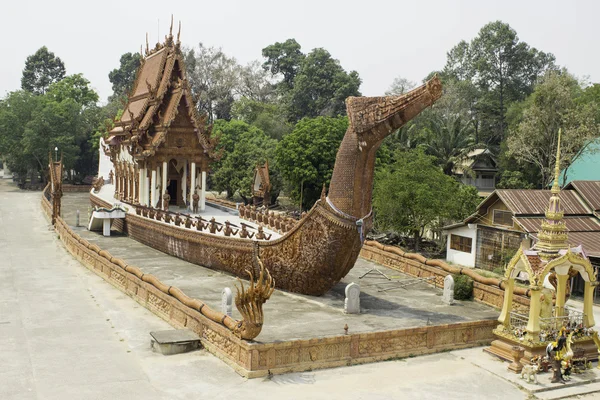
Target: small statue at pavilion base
point(166, 200)
point(556, 352)
point(195, 200)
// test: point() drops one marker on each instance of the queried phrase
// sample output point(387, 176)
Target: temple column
point(164, 182)
point(193, 183)
point(588, 305)
point(561, 289)
point(146, 187)
point(184, 183)
point(533, 325)
point(203, 191)
point(504, 318)
point(140, 196)
point(153, 189)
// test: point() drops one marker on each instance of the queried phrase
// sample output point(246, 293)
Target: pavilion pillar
point(116, 181)
point(203, 191)
point(588, 305)
point(153, 189)
point(141, 185)
point(184, 183)
point(561, 289)
point(504, 318)
point(192, 183)
point(146, 187)
point(533, 325)
point(164, 181)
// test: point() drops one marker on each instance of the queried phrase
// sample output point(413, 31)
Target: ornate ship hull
point(324, 245)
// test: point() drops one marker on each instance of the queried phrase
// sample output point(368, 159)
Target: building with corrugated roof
point(510, 218)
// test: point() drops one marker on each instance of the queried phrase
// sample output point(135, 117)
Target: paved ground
point(67, 334)
point(293, 316)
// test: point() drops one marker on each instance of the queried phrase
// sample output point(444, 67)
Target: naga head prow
point(249, 302)
point(371, 119)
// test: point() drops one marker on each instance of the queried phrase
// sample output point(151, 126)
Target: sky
point(380, 39)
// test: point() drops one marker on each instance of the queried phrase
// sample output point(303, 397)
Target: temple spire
point(552, 236)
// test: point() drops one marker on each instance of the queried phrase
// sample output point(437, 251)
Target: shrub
point(463, 287)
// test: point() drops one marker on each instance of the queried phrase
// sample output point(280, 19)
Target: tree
point(213, 78)
point(122, 78)
point(503, 68)
point(16, 111)
point(41, 70)
point(74, 87)
point(306, 156)
point(450, 140)
point(553, 106)
point(254, 83)
point(413, 195)
point(268, 117)
point(285, 59)
point(243, 146)
point(400, 86)
point(321, 87)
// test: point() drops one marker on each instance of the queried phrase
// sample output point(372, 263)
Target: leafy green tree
point(41, 70)
point(122, 78)
point(306, 156)
point(16, 111)
point(504, 70)
point(74, 87)
point(243, 146)
point(285, 59)
point(321, 87)
point(553, 106)
point(513, 180)
point(268, 117)
point(413, 195)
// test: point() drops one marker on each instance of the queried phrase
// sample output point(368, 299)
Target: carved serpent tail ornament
point(250, 302)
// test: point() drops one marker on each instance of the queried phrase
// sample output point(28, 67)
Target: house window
point(487, 181)
point(503, 218)
point(461, 243)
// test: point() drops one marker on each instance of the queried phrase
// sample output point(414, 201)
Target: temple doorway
point(172, 189)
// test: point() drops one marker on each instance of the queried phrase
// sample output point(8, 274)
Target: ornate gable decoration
point(160, 95)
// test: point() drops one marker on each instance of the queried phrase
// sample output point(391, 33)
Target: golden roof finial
point(171, 28)
point(179, 32)
point(555, 185)
point(553, 231)
point(147, 45)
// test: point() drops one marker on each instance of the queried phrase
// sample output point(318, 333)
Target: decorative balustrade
point(201, 224)
point(550, 326)
point(276, 222)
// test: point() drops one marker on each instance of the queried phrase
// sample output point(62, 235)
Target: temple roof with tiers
point(160, 101)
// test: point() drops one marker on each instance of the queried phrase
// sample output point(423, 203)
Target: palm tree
point(450, 140)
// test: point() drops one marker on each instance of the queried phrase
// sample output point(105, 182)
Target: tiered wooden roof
point(160, 95)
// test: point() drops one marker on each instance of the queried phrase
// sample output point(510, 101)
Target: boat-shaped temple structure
point(161, 151)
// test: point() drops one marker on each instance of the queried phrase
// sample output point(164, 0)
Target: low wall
point(67, 188)
point(417, 265)
point(254, 359)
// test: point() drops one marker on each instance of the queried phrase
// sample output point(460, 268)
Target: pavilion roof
point(159, 89)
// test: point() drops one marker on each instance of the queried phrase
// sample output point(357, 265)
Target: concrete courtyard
point(67, 334)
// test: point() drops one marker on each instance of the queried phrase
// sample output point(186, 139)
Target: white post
point(106, 227)
point(203, 192)
point(140, 187)
point(164, 181)
point(146, 187)
point(193, 183)
point(153, 189)
point(184, 182)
